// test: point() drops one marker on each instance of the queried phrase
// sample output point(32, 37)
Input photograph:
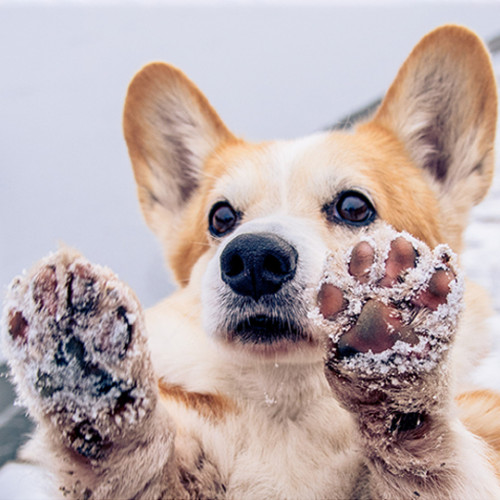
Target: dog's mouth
point(266, 330)
point(277, 326)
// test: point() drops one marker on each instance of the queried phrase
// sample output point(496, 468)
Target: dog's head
point(249, 225)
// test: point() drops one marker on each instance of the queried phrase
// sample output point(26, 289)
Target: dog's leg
point(76, 344)
point(391, 313)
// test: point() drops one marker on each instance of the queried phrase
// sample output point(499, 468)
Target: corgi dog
point(320, 340)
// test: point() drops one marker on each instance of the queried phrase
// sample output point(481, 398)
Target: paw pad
point(82, 289)
point(362, 259)
point(78, 352)
point(402, 256)
point(377, 329)
point(45, 290)
point(392, 305)
point(18, 326)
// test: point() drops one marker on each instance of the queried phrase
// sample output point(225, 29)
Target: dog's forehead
point(299, 177)
point(292, 173)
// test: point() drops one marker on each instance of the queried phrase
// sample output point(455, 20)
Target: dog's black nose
point(256, 264)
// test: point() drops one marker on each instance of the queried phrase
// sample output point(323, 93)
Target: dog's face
point(273, 213)
point(248, 226)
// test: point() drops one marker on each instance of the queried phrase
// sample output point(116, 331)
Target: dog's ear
point(443, 107)
point(171, 129)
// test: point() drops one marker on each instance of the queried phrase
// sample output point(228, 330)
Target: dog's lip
point(268, 330)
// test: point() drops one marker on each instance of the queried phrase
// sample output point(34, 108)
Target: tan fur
point(480, 412)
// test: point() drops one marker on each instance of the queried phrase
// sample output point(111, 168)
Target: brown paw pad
point(362, 259)
point(377, 329)
point(120, 331)
point(44, 290)
point(330, 301)
point(437, 290)
point(83, 289)
point(402, 256)
point(18, 326)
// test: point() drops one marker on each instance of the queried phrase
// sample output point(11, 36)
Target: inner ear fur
point(171, 130)
point(443, 107)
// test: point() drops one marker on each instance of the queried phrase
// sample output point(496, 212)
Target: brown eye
point(351, 208)
point(222, 218)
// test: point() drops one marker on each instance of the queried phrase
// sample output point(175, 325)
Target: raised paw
point(392, 307)
point(74, 337)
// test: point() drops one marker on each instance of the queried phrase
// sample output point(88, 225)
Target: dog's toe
point(330, 300)
point(362, 258)
point(402, 256)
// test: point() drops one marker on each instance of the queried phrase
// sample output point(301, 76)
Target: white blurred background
point(273, 69)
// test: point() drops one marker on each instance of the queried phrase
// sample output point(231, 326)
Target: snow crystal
point(269, 401)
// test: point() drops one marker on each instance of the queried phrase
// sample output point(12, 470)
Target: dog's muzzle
point(257, 264)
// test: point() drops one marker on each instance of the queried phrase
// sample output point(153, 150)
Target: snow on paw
point(390, 305)
point(74, 338)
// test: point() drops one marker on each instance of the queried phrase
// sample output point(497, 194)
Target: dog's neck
point(281, 390)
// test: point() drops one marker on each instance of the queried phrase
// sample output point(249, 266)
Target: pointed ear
point(443, 107)
point(170, 129)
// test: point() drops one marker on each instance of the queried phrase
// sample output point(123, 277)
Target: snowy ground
point(64, 170)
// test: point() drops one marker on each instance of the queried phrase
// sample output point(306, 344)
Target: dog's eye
point(222, 219)
point(352, 208)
